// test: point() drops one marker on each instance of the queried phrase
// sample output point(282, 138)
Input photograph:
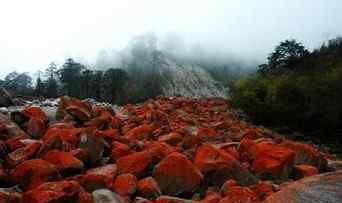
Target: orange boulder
point(51, 192)
point(240, 194)
point(176, 175)
point(149, 188)
point(98, 178)
point(137, 163)
point(22, 154)
point(218, 166)
point(65, 162)
point(125, 184)
point(34, 172)
point(301, 171)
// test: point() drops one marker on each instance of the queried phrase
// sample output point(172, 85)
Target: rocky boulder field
point(166, 150)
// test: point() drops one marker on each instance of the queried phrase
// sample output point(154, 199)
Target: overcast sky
point(33, 33)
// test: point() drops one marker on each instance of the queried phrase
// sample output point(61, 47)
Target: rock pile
point(167, 150)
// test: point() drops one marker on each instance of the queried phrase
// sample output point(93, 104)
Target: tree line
point(297, 90)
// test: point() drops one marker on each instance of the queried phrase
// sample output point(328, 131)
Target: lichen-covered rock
point(149, 188)
point(218, 166)
point(22, 154)
point(51, 192)
point(240, 194)
point(301, 171)
point(34, 172)
point(306, 154)
point(98, 178)
point(136, 163)
point(125, 184)
point(177, 175)
point(65, 162)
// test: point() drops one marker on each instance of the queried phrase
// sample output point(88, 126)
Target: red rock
point(263, 189)
point(240, 194)
point(177, 175)
point(124, 184)
point(34, 172)
point(85, 197)
point(35, 112)
point(97, 178)
point(148, 188)
point(65, 162)
point(158, 150)
point(136, 163)
point(248, 150)
point(36, 127)
point(208, 134)
point(218, 166)
point(226, 186)
point(51, 192)
point(142, 132)
point(101, 122)
point(22, 154)
point(79, 110)
point(211, 197)
point(172, 138)
point(110, 134)
point(301, 171)
point(119, 150)
point(80, 154)
point(273, 160)
point(15, 143)
point(63, 139)
point(306, 154)
point(116, 122)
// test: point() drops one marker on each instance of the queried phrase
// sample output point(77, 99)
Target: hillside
point(189, 80)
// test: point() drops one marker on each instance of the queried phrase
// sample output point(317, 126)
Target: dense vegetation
point(297, 91)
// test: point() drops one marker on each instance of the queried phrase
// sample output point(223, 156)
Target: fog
point(37, 32)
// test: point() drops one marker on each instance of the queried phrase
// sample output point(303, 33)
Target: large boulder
point(137, 163)
point(218, 166)
point(240, 194)
point(65, 162)
point(125, 184)
point(149, 188)
point(22, 154)
point(176, 175)
point(306, 154)
point(52, 192)
point(98, 178)
point(34, 172)
point(322, 188)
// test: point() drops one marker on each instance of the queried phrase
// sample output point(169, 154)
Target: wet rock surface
point(164, 150)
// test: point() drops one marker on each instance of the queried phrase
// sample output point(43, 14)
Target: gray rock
point(324, 188)
point(5, 98)
point(106, 196)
